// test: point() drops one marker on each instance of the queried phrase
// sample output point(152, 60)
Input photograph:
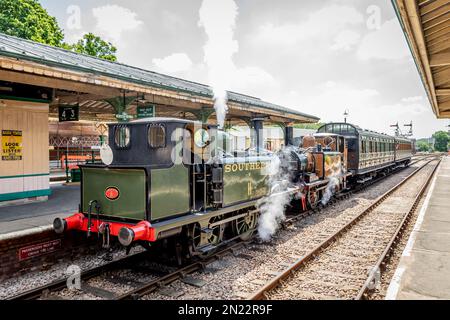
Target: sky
point(320, 57)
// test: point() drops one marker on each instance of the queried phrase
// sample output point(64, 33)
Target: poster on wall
point(11, 145)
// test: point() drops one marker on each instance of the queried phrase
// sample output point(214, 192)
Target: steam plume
point(333, 183)
point(218, 18)
point(272, 207)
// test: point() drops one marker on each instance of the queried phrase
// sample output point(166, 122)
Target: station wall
point(24, 161)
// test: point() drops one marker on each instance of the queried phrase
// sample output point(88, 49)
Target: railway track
point(135, 287)
point(348, 262)
point(131, 286)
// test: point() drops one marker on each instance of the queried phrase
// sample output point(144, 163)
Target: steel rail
point(289, 271)
point(385, 256)
point(178, 274)
point(136, 293)
point(36, 293)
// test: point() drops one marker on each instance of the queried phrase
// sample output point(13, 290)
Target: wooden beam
point(438, 39)
point(442, 77)
point(436, 13)
point(444, 106)
point(443, 31)
point(430, 6)
point(431, 31)
point(81, 98)
point(43, 81)
point(443, 92)
point(438, 47)
point(436, 22)
point(440, 59)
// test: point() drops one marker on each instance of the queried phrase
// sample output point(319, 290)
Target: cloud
point(330, 99)
point(326, 21)
point(346, 40)
point(386, 43)
point(113, 20)
point(252, 80)
point(412, 99)
point(176, 62)
point(406, 107)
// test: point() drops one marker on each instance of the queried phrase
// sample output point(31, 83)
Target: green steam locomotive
point(176, 180)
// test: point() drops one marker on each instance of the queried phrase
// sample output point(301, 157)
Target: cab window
point(122, 136)
point(156, 136)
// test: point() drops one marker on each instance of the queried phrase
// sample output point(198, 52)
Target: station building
point(42, 85)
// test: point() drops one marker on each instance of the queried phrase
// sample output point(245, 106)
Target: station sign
point(11, 145)
point(124, 116)
point(147, 111)
point(39, 249)
point(69, 113)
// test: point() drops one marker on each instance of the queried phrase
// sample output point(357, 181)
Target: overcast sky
point(318, 57)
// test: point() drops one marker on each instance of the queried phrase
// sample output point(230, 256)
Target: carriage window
point(337, 128)
point(156, 136)
point(122, 136)
point(329, 128)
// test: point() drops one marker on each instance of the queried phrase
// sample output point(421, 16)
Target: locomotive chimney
point(256, 134)
point(289, 136)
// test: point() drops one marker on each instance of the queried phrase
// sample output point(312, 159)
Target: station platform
point(40, 215)
point(424, 268)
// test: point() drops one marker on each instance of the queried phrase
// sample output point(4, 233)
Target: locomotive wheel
point(216, 236)
point(244, 227)
point(195, 235)
point(313, 199)
point(213, 238)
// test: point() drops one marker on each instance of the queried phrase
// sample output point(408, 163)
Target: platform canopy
point(426, 24)
point(87, 81)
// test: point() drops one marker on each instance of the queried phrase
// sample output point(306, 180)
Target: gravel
point(17, 285)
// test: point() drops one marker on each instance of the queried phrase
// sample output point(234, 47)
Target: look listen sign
point(11, 145)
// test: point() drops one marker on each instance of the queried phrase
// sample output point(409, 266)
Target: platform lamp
point(346, 113)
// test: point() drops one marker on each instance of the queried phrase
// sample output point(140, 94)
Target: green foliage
point(441, 140)
point(311, 126)
point(95, 46)
point(423, 146)
point(27, 19)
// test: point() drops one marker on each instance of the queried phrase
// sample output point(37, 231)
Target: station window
point(122, 136)
point(156, 136)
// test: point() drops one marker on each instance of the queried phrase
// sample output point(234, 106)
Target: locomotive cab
point(153, 162)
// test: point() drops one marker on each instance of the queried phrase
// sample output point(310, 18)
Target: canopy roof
point(23, 56)
point(426, 24)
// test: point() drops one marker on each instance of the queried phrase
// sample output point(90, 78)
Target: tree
point(441, 139)
point(95, 46)
point(27, 19)
point(423, 146)
point(310, 126)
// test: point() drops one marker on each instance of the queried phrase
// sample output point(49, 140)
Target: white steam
point(332, 184)
point(218, 18)
point(272, 207)
point(329, 191)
